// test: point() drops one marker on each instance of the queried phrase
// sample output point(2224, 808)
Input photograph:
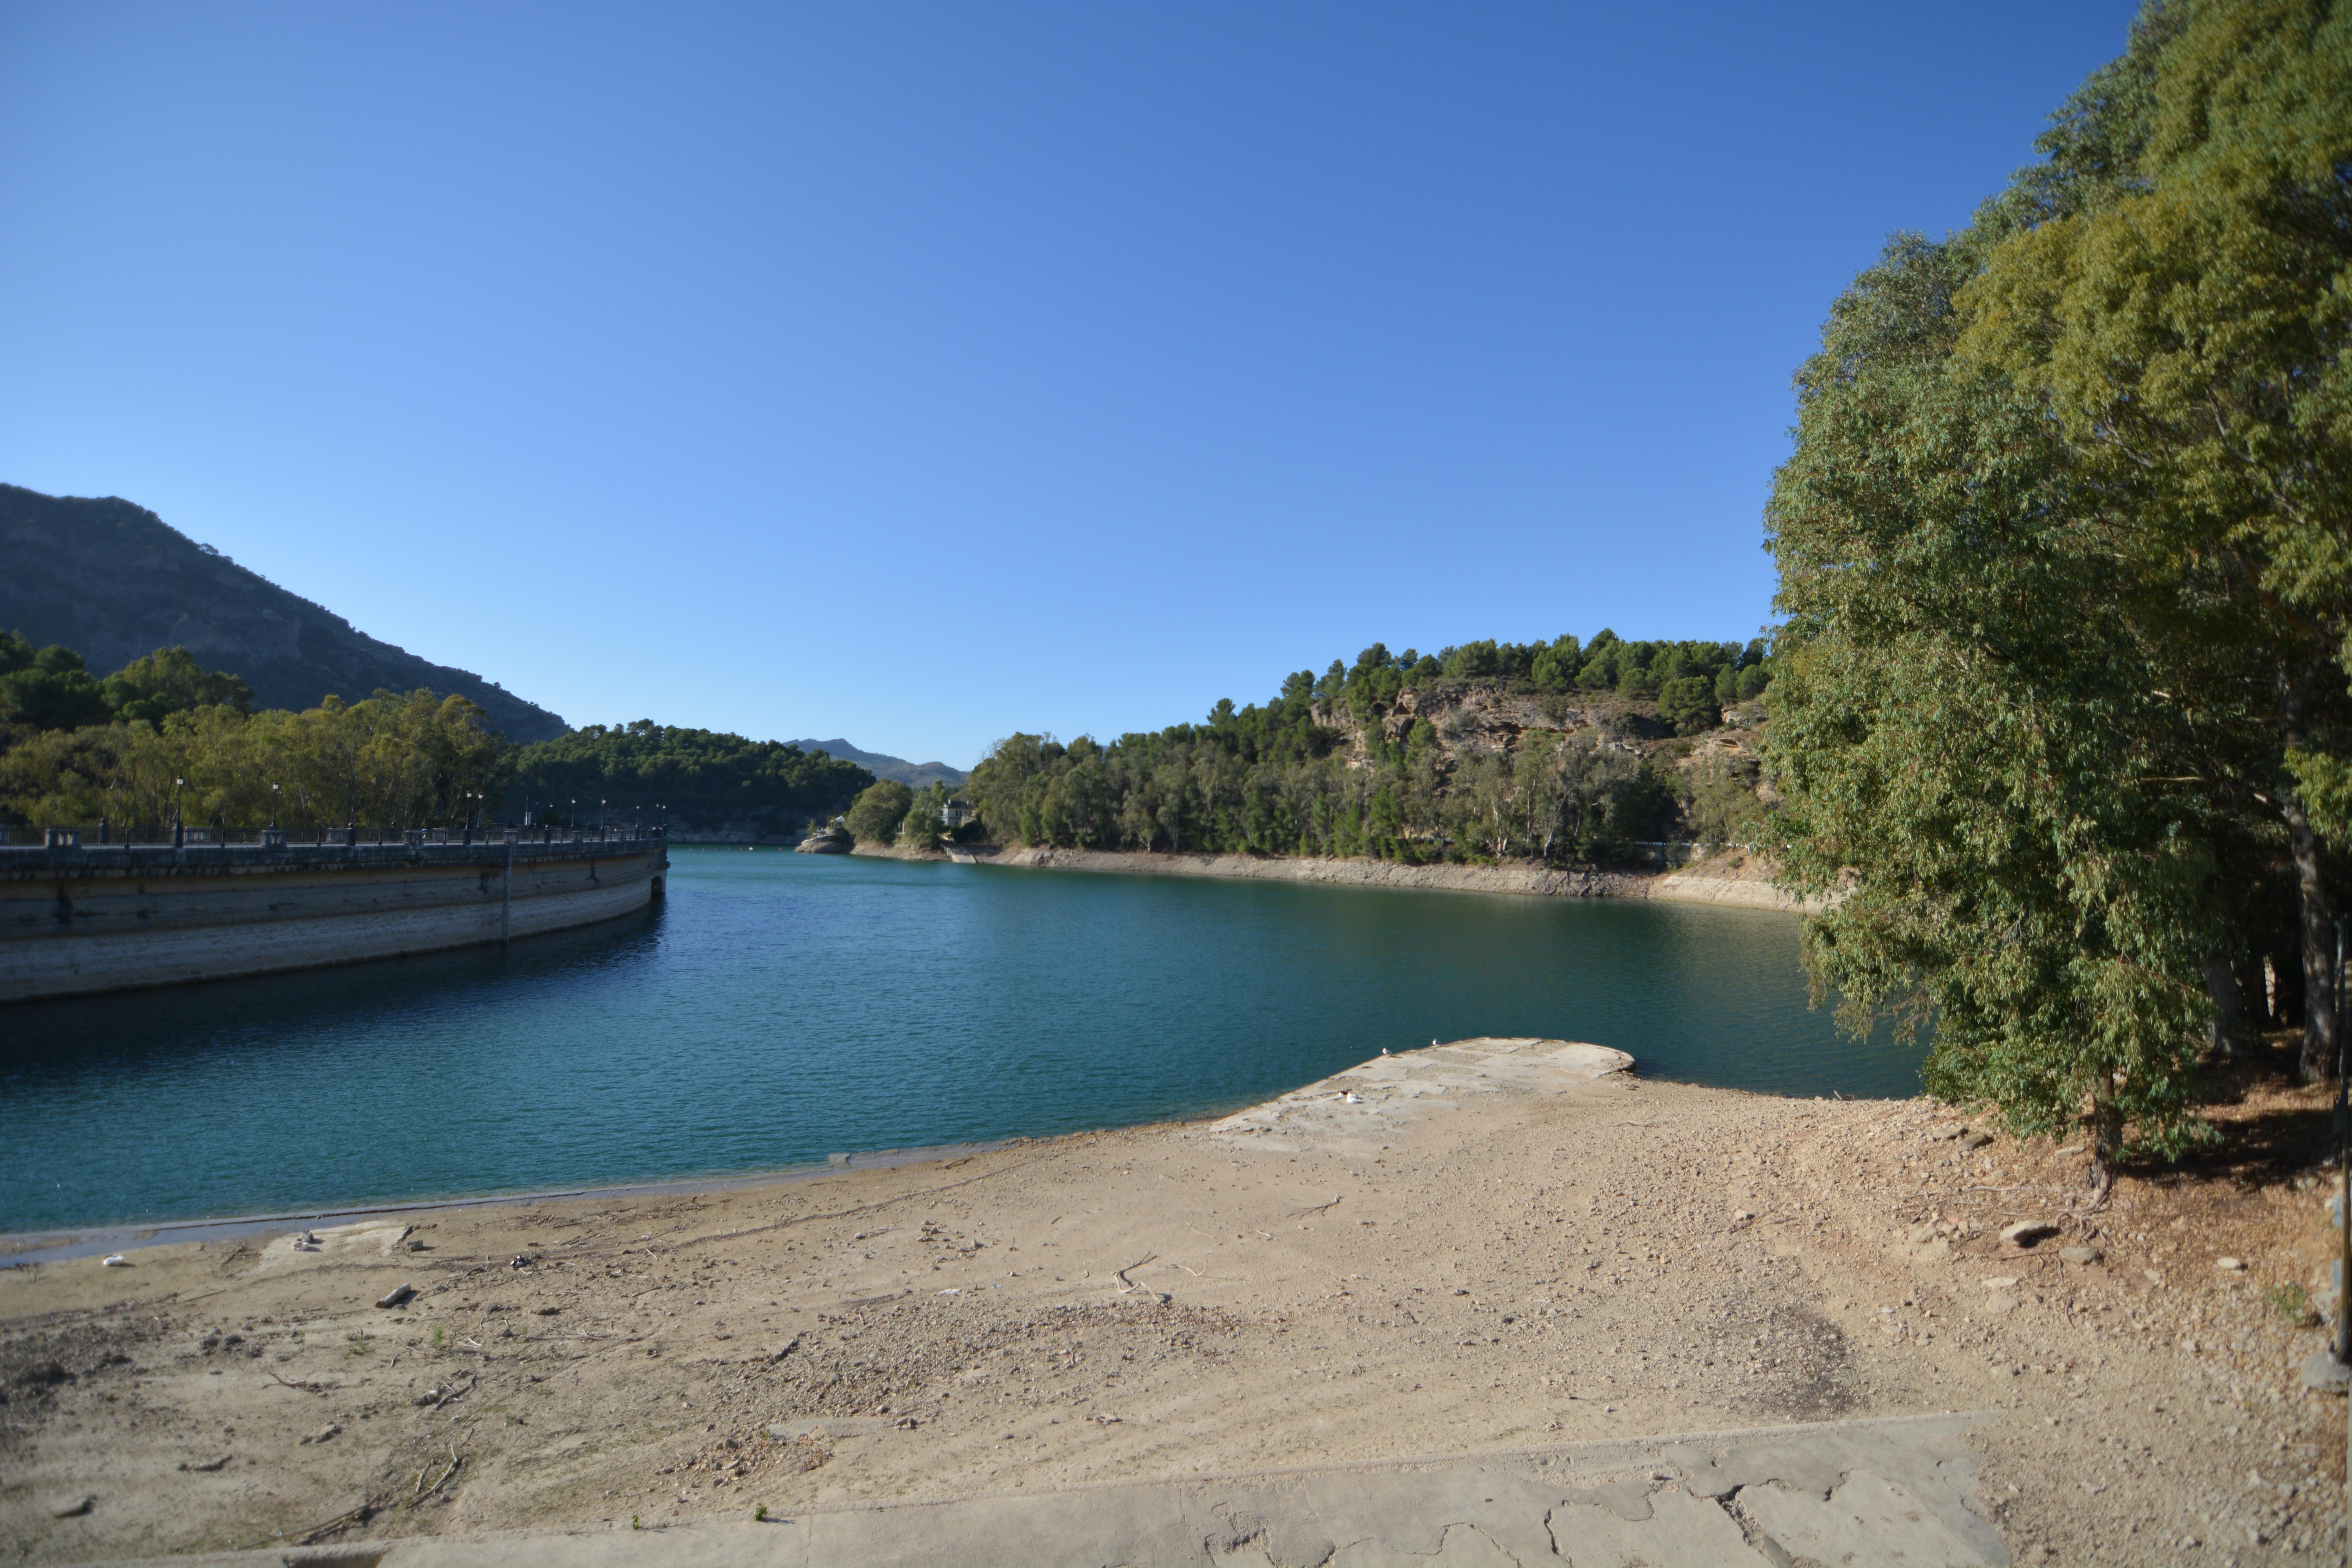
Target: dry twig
point(453, 1462)
point(318, 1389)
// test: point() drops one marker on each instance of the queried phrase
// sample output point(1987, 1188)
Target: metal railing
point(354, 836)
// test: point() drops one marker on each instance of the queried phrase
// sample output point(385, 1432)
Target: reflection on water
point(779, 1007)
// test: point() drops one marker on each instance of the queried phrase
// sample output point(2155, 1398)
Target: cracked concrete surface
point(1898, 1493)
point(1362, 1109)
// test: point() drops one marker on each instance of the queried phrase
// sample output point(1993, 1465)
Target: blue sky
point(920, 373)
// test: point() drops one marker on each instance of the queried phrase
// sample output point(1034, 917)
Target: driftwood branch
point(453, 1462)
point(322, 1390)
point(316, 1533)
point(1127, 1284)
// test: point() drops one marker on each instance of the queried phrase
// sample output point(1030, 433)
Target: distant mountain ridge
point(884, 766)
point(112, 580)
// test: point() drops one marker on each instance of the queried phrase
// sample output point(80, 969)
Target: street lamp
point(179, 833)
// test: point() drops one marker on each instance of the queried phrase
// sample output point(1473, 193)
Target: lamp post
point(273, 808)
point(179, 832)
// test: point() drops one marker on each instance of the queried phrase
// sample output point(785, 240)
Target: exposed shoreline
point(1720, 881)
point(1505, 1256)
point(66, 1243)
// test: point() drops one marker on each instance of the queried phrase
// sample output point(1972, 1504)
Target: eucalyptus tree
point(2068, 567)
point(1967, 737)
point(2182, 320)
point(878, 812)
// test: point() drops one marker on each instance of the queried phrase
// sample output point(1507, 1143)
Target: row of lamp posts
point(474, 807)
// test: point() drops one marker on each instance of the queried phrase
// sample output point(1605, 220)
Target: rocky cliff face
point(113, 581)
point(1471, 719)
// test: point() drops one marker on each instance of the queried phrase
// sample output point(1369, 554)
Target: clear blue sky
point(923, 371)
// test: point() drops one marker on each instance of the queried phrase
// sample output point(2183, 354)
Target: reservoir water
point(778, 1008)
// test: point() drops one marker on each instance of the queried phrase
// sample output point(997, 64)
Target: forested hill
point(883, 765)
point(693, 780)
point(1562, 750)
point(113, 582)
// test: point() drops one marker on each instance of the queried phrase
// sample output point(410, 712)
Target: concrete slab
point(1361, 1109)
point(1866, 1519)
point(1681, 1529)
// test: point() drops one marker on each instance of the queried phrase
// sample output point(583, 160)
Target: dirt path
point(1589, 1261)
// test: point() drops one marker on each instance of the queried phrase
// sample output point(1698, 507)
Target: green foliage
point(169, 681)
point(923, 826)
point(2292, 1300)
point(699, 779)
point(50, 689)
point(46, 689)
point(2178, 308)
point(1347, 765)
point(1719, 802)
point(1963, 722)
point(74, 749)
point(415, 759)
point(2067, 558)
point(878, 813)
point(1689, 703)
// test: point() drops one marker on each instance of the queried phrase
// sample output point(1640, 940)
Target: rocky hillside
point(1477, 717)
point(113, 581)
point(1474, 719)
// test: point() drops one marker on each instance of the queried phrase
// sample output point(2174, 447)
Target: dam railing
point(496, 834)
point(85, 851)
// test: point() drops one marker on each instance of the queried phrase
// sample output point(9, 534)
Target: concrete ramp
point(1367, 1105)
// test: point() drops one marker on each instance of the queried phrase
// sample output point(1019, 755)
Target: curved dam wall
point(76, 921)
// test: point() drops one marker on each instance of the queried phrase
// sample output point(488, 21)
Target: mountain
point(883, 766)
point(112, 580)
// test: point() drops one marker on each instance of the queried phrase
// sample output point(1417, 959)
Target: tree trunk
point(2318, 1061)
point(2229, 1017)
point(2252, 1000)
point(2106, 1136)
point(2285, 990)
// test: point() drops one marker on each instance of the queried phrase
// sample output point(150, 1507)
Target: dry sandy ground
point(1623, 1259)
point(1735, 879)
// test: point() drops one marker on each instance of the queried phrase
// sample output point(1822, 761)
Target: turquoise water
point(778, 1008)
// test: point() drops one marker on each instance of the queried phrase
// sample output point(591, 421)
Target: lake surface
point(778, 1008)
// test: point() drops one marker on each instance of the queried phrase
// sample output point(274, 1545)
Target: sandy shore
point(1479, 1254)
point(1734, 881)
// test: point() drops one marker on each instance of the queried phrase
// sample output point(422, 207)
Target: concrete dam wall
point(79, 919)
